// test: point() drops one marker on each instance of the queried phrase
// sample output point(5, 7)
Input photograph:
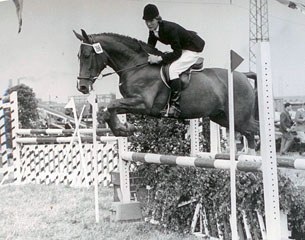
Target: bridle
point(99, 50)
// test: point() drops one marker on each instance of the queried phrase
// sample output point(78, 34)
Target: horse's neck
point(121, 57)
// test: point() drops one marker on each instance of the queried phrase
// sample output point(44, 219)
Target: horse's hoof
point(130, 127)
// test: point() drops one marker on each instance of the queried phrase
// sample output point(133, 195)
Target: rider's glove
point(153, 59)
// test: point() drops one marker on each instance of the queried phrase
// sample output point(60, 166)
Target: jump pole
point(93, 101)
point(194, 132)
point(268, 150)
point(6, 169)
point(15, 145)
point(233, 218)
point(125, 210)
point(215, 138)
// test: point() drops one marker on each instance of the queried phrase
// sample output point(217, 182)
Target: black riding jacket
point(178, 38)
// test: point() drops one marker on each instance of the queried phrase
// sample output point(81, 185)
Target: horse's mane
point(133, 43)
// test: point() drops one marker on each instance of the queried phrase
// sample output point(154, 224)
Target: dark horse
point(145, 93)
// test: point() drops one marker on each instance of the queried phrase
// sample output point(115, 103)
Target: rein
point(125, 69)
point(129, 68)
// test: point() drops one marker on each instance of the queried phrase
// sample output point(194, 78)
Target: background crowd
point(292, 129)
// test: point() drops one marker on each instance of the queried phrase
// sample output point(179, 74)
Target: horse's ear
point(87, 39)
point(80, 37)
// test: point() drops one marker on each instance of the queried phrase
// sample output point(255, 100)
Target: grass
point(47, 212)
point(57, 212)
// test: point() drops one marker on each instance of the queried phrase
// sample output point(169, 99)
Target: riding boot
point(302, 148)
point(174, 109)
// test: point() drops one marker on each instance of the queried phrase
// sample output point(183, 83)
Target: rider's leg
point(187, 59)
point(174, 109)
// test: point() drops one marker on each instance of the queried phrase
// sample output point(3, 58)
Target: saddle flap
point(197, 65)
point(185, 76)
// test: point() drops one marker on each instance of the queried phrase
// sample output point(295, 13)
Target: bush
point(27, 106)
point(171, 186)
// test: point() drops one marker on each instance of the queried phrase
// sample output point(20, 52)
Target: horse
point(144, 92)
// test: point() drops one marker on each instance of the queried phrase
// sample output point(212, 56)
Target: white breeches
point(187, 59)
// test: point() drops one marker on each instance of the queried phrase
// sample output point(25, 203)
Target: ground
point(47, 212)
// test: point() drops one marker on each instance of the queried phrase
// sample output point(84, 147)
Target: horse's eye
point(85, 54)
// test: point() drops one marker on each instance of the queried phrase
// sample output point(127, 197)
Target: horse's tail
point(253, 76)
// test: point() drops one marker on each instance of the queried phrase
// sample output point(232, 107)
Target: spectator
point(286, 124)
point(300, 127)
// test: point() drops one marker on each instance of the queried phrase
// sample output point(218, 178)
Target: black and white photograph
point(152, 120)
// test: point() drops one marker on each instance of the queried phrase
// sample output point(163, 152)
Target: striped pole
point(53, 140)
point(3, 141)
point(207, 161)
point(14, 127)
point(99, 131)
point(282, 161)
point(245, 163)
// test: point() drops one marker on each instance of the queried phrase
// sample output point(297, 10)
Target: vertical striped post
point(194, 129)
point(3, 141)
point(268, 152)
point(14, 129)
point(124, 166)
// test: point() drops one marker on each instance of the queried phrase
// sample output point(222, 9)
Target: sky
point(44, 55)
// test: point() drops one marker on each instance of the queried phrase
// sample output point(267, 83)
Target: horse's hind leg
point(247, 129)
point(251, 142)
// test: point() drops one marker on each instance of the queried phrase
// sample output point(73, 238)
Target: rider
point(186, 46)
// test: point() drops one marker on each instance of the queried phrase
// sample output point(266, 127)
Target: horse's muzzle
point(83, 89)
point(84, 85)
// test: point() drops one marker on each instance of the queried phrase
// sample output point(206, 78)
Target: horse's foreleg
point(117, 127)
point(121, 106)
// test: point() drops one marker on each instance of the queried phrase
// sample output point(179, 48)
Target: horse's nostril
point(83, 89)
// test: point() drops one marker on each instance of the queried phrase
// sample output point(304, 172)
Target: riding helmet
point(150, 12)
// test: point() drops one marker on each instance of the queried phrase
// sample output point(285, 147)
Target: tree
point(27, 106)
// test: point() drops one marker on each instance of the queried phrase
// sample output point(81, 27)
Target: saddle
point(185, 76)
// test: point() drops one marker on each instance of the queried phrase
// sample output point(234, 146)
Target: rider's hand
point(153, 59)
